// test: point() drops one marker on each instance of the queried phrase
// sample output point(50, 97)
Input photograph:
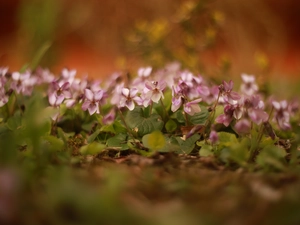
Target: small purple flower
point(92, 100)
point(3, 71)
point(248, 87)
point(243, 126)
point(129, 96)
point(282, 115)
point(23, 82)
point(68, 75)
point(212, 96)
point(3, 97)
point(238, 109)
point(3, 93)
point(58, 92)
point(117, 94)
point(213, 137)
point(144, 71)
point(44, 76)
point(188, 84)
point(154, 90)
point(227, 117)
point(203, 90)
point(255, 108)
point(177, 98)
point(110, 117)
point(192, 107)
point(226, 90)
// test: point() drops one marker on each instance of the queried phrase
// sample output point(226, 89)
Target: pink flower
point(248, 87)
point(226, 90)
point(144, 71)
point(243, 126)
point(154, 90)
point(255, 108)
point(192, 107)
point(58, 92)
point(23, 82)
point(213, 137)
point(110, 117)
point(129, 96)
point(3, 71)
point(282, 115)
point(92, 100)
point(227, 117)
point(68, 75)
point(177, 98)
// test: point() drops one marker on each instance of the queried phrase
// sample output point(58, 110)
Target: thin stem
point(262, 126)
point(150, 110)
point(165, 113)
point(126, 126)
point(212, 114)
point(254, 148)
point(186, 118)
point(213, 110)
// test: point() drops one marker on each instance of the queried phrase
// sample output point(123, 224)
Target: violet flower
point(23, 82)
point(192, 107)
point(144, 71)
point(154, 90)
point(227, 117)
point(243, 126)
point(58, 92)
point(282, 115)
point(129, 96)
point(3, 71)
point(110, 117)
point(68, 75)
point(92, 100)
point(226, 90)
point(213, 137)
point(44, 76)
point(177, 98)
point(212, 96)
point(248, 87)
point(255, 108)
point(3, 95)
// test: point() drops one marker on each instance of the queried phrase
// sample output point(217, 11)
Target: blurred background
point(214, 37)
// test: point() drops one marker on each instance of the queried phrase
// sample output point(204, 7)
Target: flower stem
point(254, 149)
point(186, 118)
point(165, 113)
point(127, 128)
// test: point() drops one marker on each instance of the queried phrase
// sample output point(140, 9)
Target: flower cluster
point(189, 92)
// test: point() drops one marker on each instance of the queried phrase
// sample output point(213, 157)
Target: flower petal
point(89, 94)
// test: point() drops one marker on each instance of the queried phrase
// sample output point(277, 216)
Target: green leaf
point(239, 153)
point(171, 126)
point(272, 157)
point(199, 118)
point(55, 144)
point(93, 136)
point(227, 139)
point(114, 128)
point(206, 149)
point(92, 148)
point(187, 146)
point(62, 136)
point(154, 141)
point(143, 125)
point(118, 141)
point(14, 122)
point(178, 115)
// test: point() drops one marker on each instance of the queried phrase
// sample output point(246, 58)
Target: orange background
point(109, 20)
